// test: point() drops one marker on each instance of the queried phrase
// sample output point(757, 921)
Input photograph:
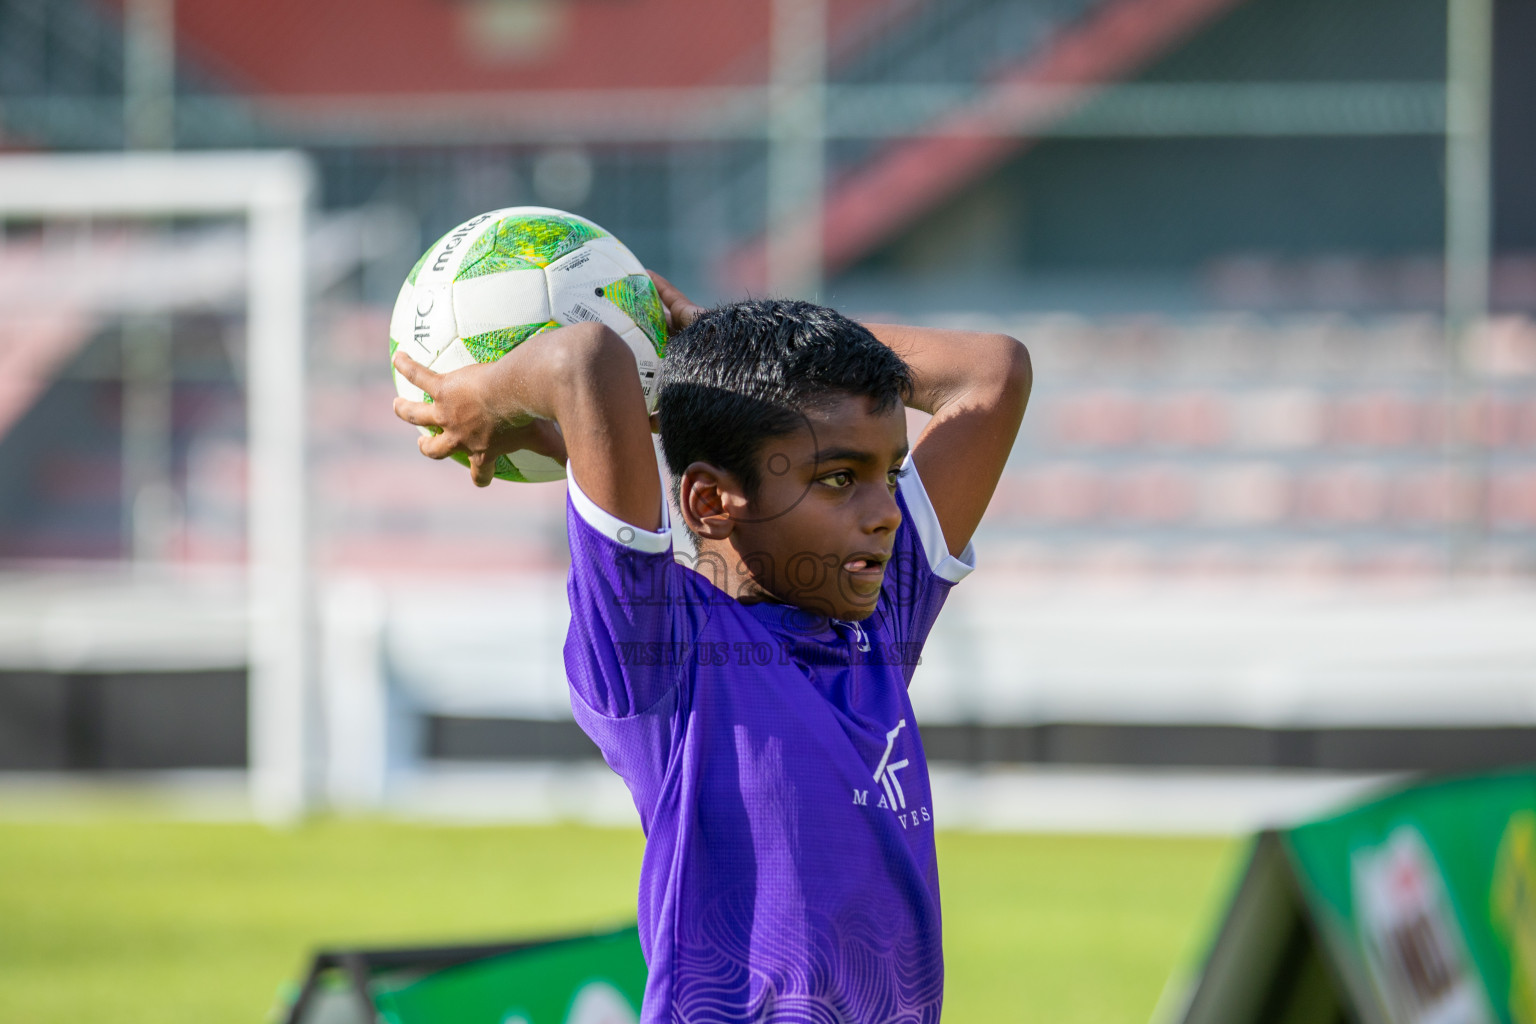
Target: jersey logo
point(885, 771)
point(894, 798)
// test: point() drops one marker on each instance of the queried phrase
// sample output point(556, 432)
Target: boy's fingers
point(680, 310)
point(422, 414)
point(666, 290)
point(482, 469)
point(413, 371)
point(551, 441)
point(436, 446)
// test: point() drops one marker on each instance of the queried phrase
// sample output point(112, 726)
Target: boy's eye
point(892, 477)
point(842, 478)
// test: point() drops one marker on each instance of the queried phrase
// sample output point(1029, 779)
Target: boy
point(755, 704)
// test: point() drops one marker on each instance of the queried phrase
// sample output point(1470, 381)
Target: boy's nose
point(884, 514)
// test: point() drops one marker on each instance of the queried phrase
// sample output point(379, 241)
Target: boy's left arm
point(976, 387)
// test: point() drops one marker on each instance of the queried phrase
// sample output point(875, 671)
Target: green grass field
point(165, 923)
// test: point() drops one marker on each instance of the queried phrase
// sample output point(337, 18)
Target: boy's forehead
point(848, 424)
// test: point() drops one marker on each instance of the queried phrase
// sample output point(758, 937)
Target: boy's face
point(819, 531)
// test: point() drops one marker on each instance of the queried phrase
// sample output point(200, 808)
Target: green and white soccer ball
point(500, 278)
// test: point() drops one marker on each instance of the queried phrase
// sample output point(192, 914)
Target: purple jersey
point(789, 871)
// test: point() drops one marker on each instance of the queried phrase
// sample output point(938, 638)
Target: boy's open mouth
point(865, 565)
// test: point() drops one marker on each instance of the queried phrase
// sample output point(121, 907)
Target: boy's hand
point(473, 414)
point(572, 394)
point(680, 311)
point(976, 387)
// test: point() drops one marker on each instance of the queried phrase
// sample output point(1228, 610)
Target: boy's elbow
point(583, 360)
point(587, 349)
point(590, 343)
point(1015, 372)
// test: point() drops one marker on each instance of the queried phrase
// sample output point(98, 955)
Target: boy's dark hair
point(747, 371)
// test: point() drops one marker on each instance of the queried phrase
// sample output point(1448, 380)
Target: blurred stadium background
point(1272, 507)
point(1269, 531)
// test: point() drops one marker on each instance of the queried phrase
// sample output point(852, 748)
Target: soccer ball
point(500, 278)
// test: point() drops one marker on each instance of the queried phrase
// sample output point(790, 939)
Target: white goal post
point(272, 192)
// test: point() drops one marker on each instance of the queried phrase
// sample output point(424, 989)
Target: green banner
point(1432, 890)
point(597, 980)
point(587, 979)
point(1418, 907)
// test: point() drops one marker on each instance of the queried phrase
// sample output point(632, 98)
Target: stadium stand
point(1255, 517)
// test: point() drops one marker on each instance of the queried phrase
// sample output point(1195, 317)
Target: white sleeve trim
point(926, 522)
point(616, 529)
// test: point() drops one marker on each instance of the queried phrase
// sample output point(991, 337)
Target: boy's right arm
point(582, 379)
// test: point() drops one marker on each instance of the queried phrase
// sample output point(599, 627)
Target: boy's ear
point(706, 496)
